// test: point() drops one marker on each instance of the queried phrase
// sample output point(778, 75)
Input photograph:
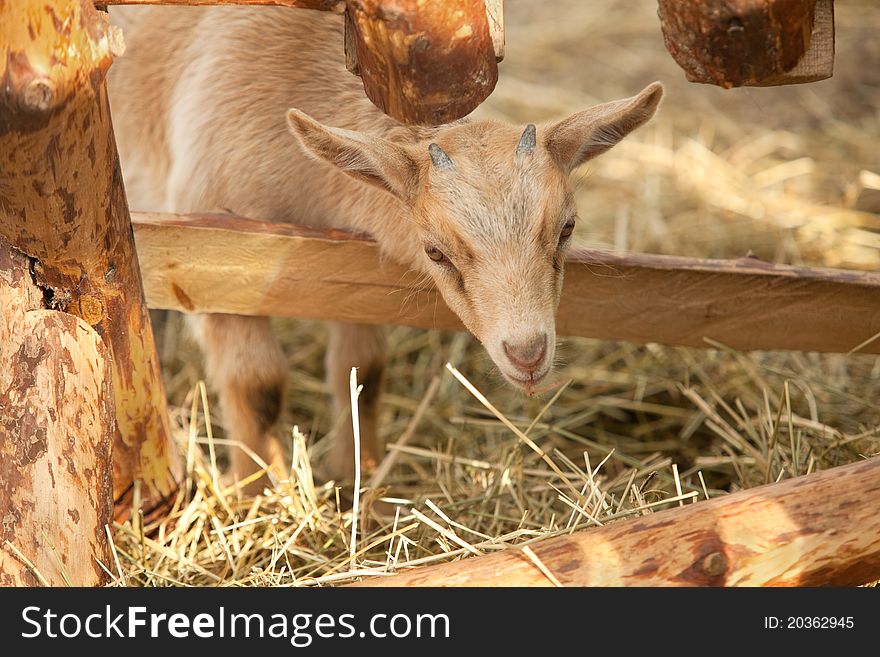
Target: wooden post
point(822, 529)
point(63, 205)
point(734, 43)
point(424, 62)
point(56, 432)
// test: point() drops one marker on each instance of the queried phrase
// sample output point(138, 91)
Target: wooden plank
point(821, 529)
point(733, 43)
point(225, 264)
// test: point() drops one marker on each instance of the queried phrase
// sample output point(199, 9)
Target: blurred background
point(791, 174)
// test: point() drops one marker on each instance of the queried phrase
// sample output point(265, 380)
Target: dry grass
point(788, 173)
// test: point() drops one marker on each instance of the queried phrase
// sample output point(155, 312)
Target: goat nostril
point(527, 356)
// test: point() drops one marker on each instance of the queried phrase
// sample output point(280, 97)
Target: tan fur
point(200, 100)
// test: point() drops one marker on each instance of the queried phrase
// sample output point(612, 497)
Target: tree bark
point(62, 203)
point(56, 431)
point(822, 529)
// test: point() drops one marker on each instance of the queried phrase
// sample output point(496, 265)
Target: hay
point(639, 429)
point(789, 174)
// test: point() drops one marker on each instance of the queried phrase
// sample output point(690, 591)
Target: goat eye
point(567, 230)
point(435, 254)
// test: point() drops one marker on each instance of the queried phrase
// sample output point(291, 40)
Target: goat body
point(204, 103)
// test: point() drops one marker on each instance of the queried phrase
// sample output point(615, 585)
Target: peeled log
point(56, 432)
point(734, 43)
point(822, 529)
point(62, 203)
point(425, 63)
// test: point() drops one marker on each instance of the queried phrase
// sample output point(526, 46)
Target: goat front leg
point(246, 366)
point(361, 346)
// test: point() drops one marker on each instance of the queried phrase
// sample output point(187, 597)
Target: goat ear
point(370, 159)
point(589, 133)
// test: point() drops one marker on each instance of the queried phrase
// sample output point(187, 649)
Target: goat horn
point(439, 158)
point(527, 142)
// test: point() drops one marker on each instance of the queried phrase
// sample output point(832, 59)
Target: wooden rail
point(336, 6)
point(226, 264)
point(817, 530)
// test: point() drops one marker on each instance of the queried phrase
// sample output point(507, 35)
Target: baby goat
point(482, 207)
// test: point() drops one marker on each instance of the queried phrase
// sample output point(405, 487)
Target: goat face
point(494, 212)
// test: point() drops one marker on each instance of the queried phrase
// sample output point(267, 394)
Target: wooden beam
point(226, 264)
point(822, 529)
point(494, 13)
point(733, 43)
point(336, 6)
point(62, 204)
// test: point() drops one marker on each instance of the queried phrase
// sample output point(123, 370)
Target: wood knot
point(91, 309)
point(712, 565)
point(182, 297)
point(37, 95)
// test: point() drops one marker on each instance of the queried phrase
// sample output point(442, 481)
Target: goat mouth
point(528, 384)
